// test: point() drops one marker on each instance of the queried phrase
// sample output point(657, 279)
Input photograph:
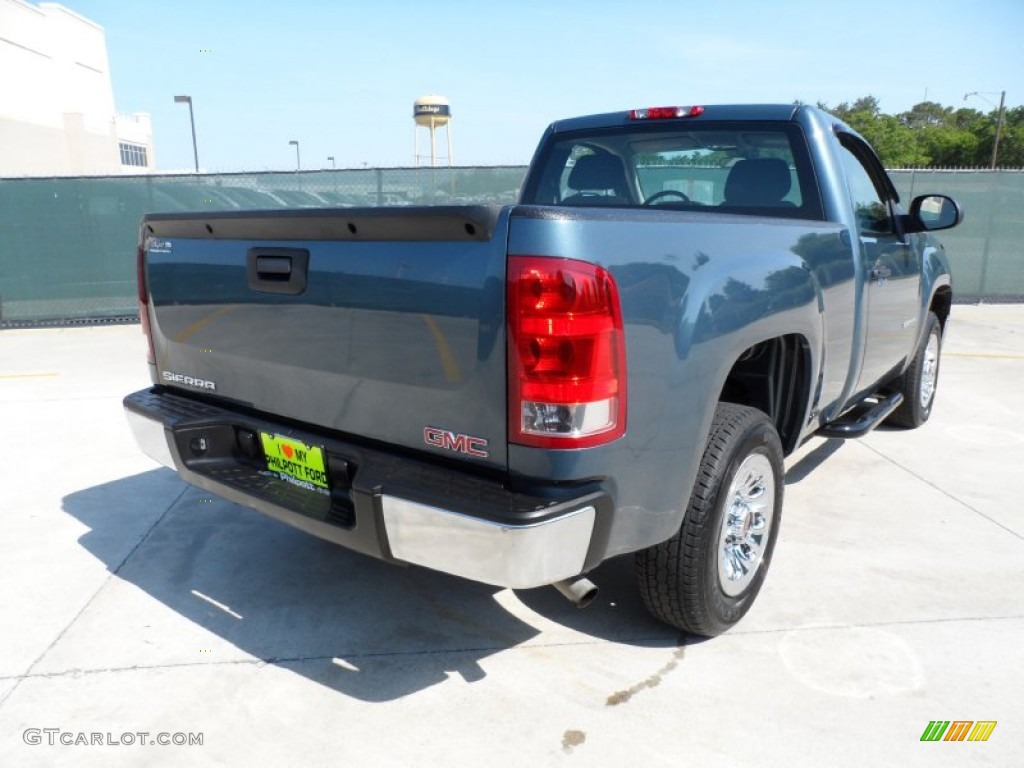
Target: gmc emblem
point(449, 441)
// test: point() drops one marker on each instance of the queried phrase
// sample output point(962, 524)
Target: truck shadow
point(367, 629)
point(812, 460)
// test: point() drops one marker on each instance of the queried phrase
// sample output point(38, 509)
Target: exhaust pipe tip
point(580, 590)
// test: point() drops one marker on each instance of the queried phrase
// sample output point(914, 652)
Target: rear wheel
point(919, 381)
point(705, 578)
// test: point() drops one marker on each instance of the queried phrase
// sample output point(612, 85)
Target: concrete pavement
point(133, 603)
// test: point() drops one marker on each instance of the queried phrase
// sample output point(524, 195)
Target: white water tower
point(431, 112)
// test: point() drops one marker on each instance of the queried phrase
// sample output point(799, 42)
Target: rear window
point(760, 169)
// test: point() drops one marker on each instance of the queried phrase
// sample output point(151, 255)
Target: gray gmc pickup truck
point(618, 364)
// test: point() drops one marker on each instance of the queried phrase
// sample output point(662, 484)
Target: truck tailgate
point(380, 324)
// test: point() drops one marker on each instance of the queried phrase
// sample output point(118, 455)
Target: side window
point(870, 204)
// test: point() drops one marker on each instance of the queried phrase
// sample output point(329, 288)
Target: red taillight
point(140, 267)
point(665, 113)
point(566, 354)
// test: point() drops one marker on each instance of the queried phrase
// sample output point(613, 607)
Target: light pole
point(999, 119)
point(331, 158)
point(298, 159)
point(192, 120)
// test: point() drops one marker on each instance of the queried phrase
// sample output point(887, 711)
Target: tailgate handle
point(273, 267)
point(277, 270)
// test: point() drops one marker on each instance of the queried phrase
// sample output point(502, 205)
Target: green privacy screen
point(67, 245)
point(986, 251)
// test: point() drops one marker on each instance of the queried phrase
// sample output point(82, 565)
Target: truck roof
point(752, 112)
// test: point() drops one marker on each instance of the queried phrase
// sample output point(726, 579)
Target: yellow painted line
point(26, 375)
point(198, 325)
point(449, 364)
point(987, 357)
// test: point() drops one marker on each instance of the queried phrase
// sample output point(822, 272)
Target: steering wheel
point(666, 193)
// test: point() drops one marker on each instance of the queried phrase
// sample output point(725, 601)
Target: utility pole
point(192, 120)
point(999, 120)
point(999, 129)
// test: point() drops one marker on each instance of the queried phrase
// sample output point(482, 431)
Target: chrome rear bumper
point(475, 528)
point(519, 557)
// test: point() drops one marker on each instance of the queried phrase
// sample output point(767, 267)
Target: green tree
point(1011, 146)
point(927, 114)
point(948, 146)
point(895, 142)
point(932, 135)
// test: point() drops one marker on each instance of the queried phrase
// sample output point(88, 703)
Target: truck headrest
point(761, 181)
point(598, 171)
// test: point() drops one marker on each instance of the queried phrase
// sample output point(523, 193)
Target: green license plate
point(295, 461)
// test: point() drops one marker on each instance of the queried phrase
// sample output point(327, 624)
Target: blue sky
point(341, 77)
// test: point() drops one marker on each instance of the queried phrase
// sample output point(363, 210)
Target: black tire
point(920, 381)
point(680, 578)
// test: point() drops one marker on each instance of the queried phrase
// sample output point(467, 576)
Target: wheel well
point(772, 376)
point(942, 302)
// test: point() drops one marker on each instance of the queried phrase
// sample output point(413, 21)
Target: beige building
point(57, 115)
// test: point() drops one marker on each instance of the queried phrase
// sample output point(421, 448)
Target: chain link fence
point(67, 245)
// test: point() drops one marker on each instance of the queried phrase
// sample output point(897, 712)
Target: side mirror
point(929, 213)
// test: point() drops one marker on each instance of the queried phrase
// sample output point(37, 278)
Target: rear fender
point(734, 317)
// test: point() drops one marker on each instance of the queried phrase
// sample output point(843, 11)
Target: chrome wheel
point(746, 523)
point(705, 578)
point(929, 370)
point(919, 382)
